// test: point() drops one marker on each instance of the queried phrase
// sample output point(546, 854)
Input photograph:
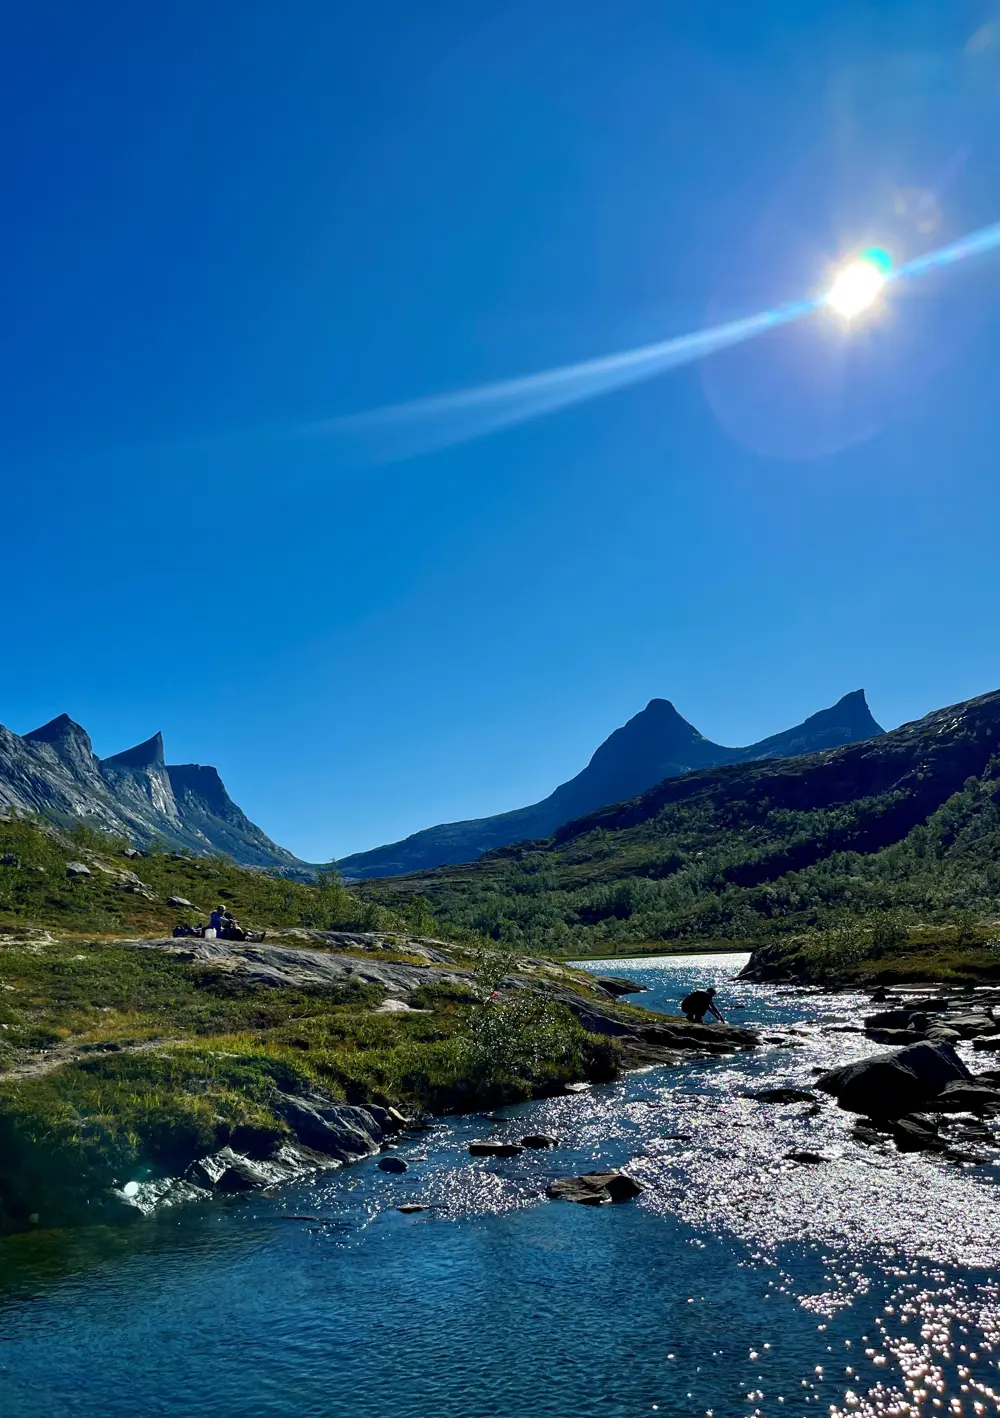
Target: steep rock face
point(654, 745)
point(54, 772)
point(207, 810)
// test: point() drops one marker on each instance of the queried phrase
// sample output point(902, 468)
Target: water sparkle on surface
point(740, 1282)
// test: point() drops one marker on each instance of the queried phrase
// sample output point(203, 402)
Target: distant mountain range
point(54, 772)
point(656, 744)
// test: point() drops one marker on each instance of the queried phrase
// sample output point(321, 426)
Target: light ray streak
point(401, 431)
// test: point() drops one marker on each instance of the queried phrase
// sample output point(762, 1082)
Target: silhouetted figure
point(699, 1003)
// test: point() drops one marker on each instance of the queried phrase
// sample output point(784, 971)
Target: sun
point(859, 284)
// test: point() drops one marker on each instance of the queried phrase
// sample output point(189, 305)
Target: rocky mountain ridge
point(54, 772)
point(654, 745)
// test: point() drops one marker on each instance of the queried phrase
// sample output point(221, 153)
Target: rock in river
point(392, 1164)
point(495, 1149)
point(889, 1085)
point(595, 1188)
point(539, 1139)
point(783, 1095)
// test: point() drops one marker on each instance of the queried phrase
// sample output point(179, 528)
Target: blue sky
point(224, 222)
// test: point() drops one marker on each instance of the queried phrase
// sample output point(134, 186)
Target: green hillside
point(126, 893)
point(907, 824)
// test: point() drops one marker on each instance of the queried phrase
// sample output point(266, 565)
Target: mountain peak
point(56, 729)
point(201, 781)
point(144, 755)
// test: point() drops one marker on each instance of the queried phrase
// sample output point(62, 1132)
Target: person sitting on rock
point(217, 919)
point(699, 1003)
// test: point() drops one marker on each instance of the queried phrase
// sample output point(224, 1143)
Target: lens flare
point(424, 425)
point(859, 284)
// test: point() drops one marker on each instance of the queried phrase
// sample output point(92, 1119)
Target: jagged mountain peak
point(53, 771)
point(56, 728)
point(148, 754)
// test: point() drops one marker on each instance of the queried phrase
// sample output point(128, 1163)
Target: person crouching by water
point(699, 1003)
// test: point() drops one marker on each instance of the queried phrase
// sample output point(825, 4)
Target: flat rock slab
point(495, 1149)
point(618, 985)
point(595, 1188)
point(299, 967)
point(783, 1095)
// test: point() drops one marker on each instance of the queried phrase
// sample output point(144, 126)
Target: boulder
point(987, 1042)
point(539, 1139)
point(891, 1036)
point(800, 1154)
point(78, 869)
point(410, 1208)
point(941, 1034)
point(393, 1164)
point(181, 901)
point(595, 1188)
point(889, 1085)
point(495, 1149)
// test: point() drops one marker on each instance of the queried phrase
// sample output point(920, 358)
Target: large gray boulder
point(889, 1085)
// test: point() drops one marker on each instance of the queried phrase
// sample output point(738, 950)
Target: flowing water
point(739, 1283)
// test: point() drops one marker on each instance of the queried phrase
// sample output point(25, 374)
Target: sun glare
point(858, 285)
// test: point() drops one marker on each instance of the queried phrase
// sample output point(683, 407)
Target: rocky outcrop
point(54, 772)
point(652, 1039)
point(322, 1134)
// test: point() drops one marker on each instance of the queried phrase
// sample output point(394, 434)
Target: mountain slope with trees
point(908, 823)
point(655, 744)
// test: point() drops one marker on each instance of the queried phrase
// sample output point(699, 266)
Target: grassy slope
point(114, 1059)
point(38, 891)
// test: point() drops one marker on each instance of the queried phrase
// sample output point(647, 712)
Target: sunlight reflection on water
point(740, 1282)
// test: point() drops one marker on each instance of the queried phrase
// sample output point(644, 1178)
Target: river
point(740, 1283)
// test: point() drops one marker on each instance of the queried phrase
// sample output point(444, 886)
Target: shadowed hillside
point(656, 744)
point(908, 822)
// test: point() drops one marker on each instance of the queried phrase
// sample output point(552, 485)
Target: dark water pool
point(740, 1283)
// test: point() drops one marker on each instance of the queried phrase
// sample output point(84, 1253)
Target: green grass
point(723, 860)
point(159, 1061)
point(38, 892)
point(850, 954)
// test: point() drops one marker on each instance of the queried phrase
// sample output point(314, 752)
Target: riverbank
point(139, 1074)
point(836, 1285)
point(887, 952)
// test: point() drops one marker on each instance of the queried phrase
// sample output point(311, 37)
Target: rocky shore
point(103, 1124)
